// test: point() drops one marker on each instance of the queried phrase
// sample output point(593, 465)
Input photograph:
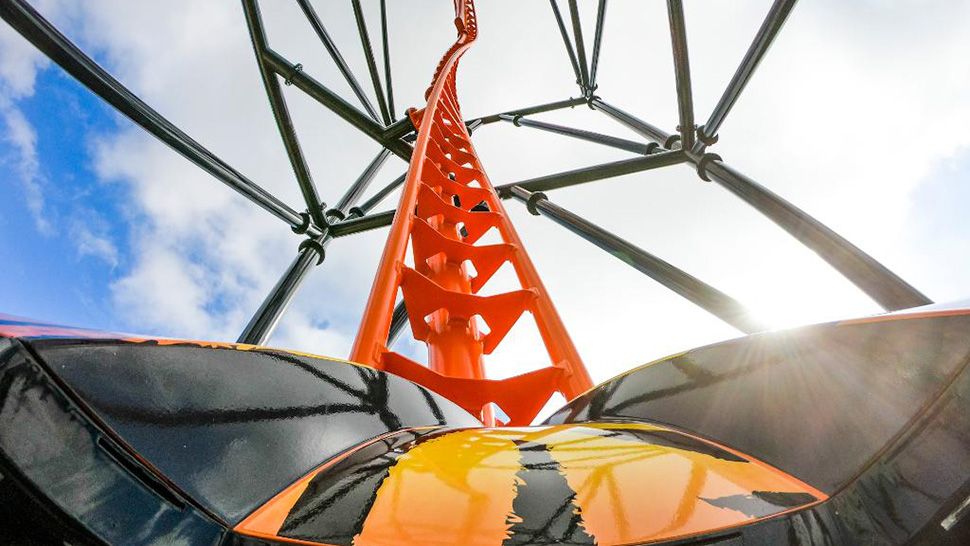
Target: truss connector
point(314, 244)
point(306, 221)
point(530, 203)
point(704, 138)
point(702, 165)
point(304, 224)
point(670, 141)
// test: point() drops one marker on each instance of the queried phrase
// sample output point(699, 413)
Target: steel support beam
point(773, 22)
point(680, 282)
point(685, 101)
point(387, 61)
point(357, 212)
point(358, 219)
point(882, 285)
point(639, 126)
point(606, 140)
point(548, 107)
point(282, 115)
point(359, 186)
point(338, 59)
point(568, 44)
point(45, 37)
point(876, 280)
point(596, 172)
point(398, 320)
point(399, 129)
point(369, 56)
point(267, 317)
point(580, 44)
point(597, 44)
point(356, 224)
point(316, 90)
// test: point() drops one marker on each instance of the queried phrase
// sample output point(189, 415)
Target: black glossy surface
point(62, 460)
point(335, 504)
point(233, 428)
point(818, 403)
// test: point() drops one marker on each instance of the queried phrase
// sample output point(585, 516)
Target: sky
point(857, 115)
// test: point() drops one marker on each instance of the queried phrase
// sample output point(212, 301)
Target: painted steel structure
point(448, 185)
point(239, 444)
point(660, 148)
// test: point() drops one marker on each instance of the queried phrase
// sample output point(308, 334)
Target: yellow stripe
point(453, 489)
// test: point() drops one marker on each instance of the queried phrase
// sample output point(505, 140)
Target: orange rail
point(446, 205)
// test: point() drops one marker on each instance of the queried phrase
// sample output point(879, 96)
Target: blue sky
point(101, 226)
point(49, 272)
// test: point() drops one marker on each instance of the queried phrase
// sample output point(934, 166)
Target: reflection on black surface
point(761, 503)
point(233, 428)
point(817, 402)
point(544, 509)
point(336, 502)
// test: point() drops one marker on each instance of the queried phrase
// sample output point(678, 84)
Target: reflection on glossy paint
point(596, 483)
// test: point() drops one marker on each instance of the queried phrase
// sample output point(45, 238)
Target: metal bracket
point(530, 204)
point(304, 224)
point(315, 245)
point(707, 140)
point(702, 165)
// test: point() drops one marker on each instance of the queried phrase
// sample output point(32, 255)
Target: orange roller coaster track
point(446, 206)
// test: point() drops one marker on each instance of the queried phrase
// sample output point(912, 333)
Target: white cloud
point(23, 139)
point(852, 109)
point(19, 63)
point(91, 237)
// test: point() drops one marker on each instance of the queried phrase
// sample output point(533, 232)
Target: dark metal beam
point(25, 20)
point(282, 115)
point(548, 107)
point(357, 212)
point(359, 186)
point(638, 125)
point(597, 44)
point(356, 224)
point(369, 56)
point(580, 44)
point(399, 128)
point(596, 172)
point(398, 320)
point(267, 317)
point(316, 90)
point(358, 220)
point(773, 22)
point(569, 46)
point(387, 61)
point(682, 283)
point(607, 140)
point(882, 285)
point(876, 280)
point(338, 59)
point(685, 101)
